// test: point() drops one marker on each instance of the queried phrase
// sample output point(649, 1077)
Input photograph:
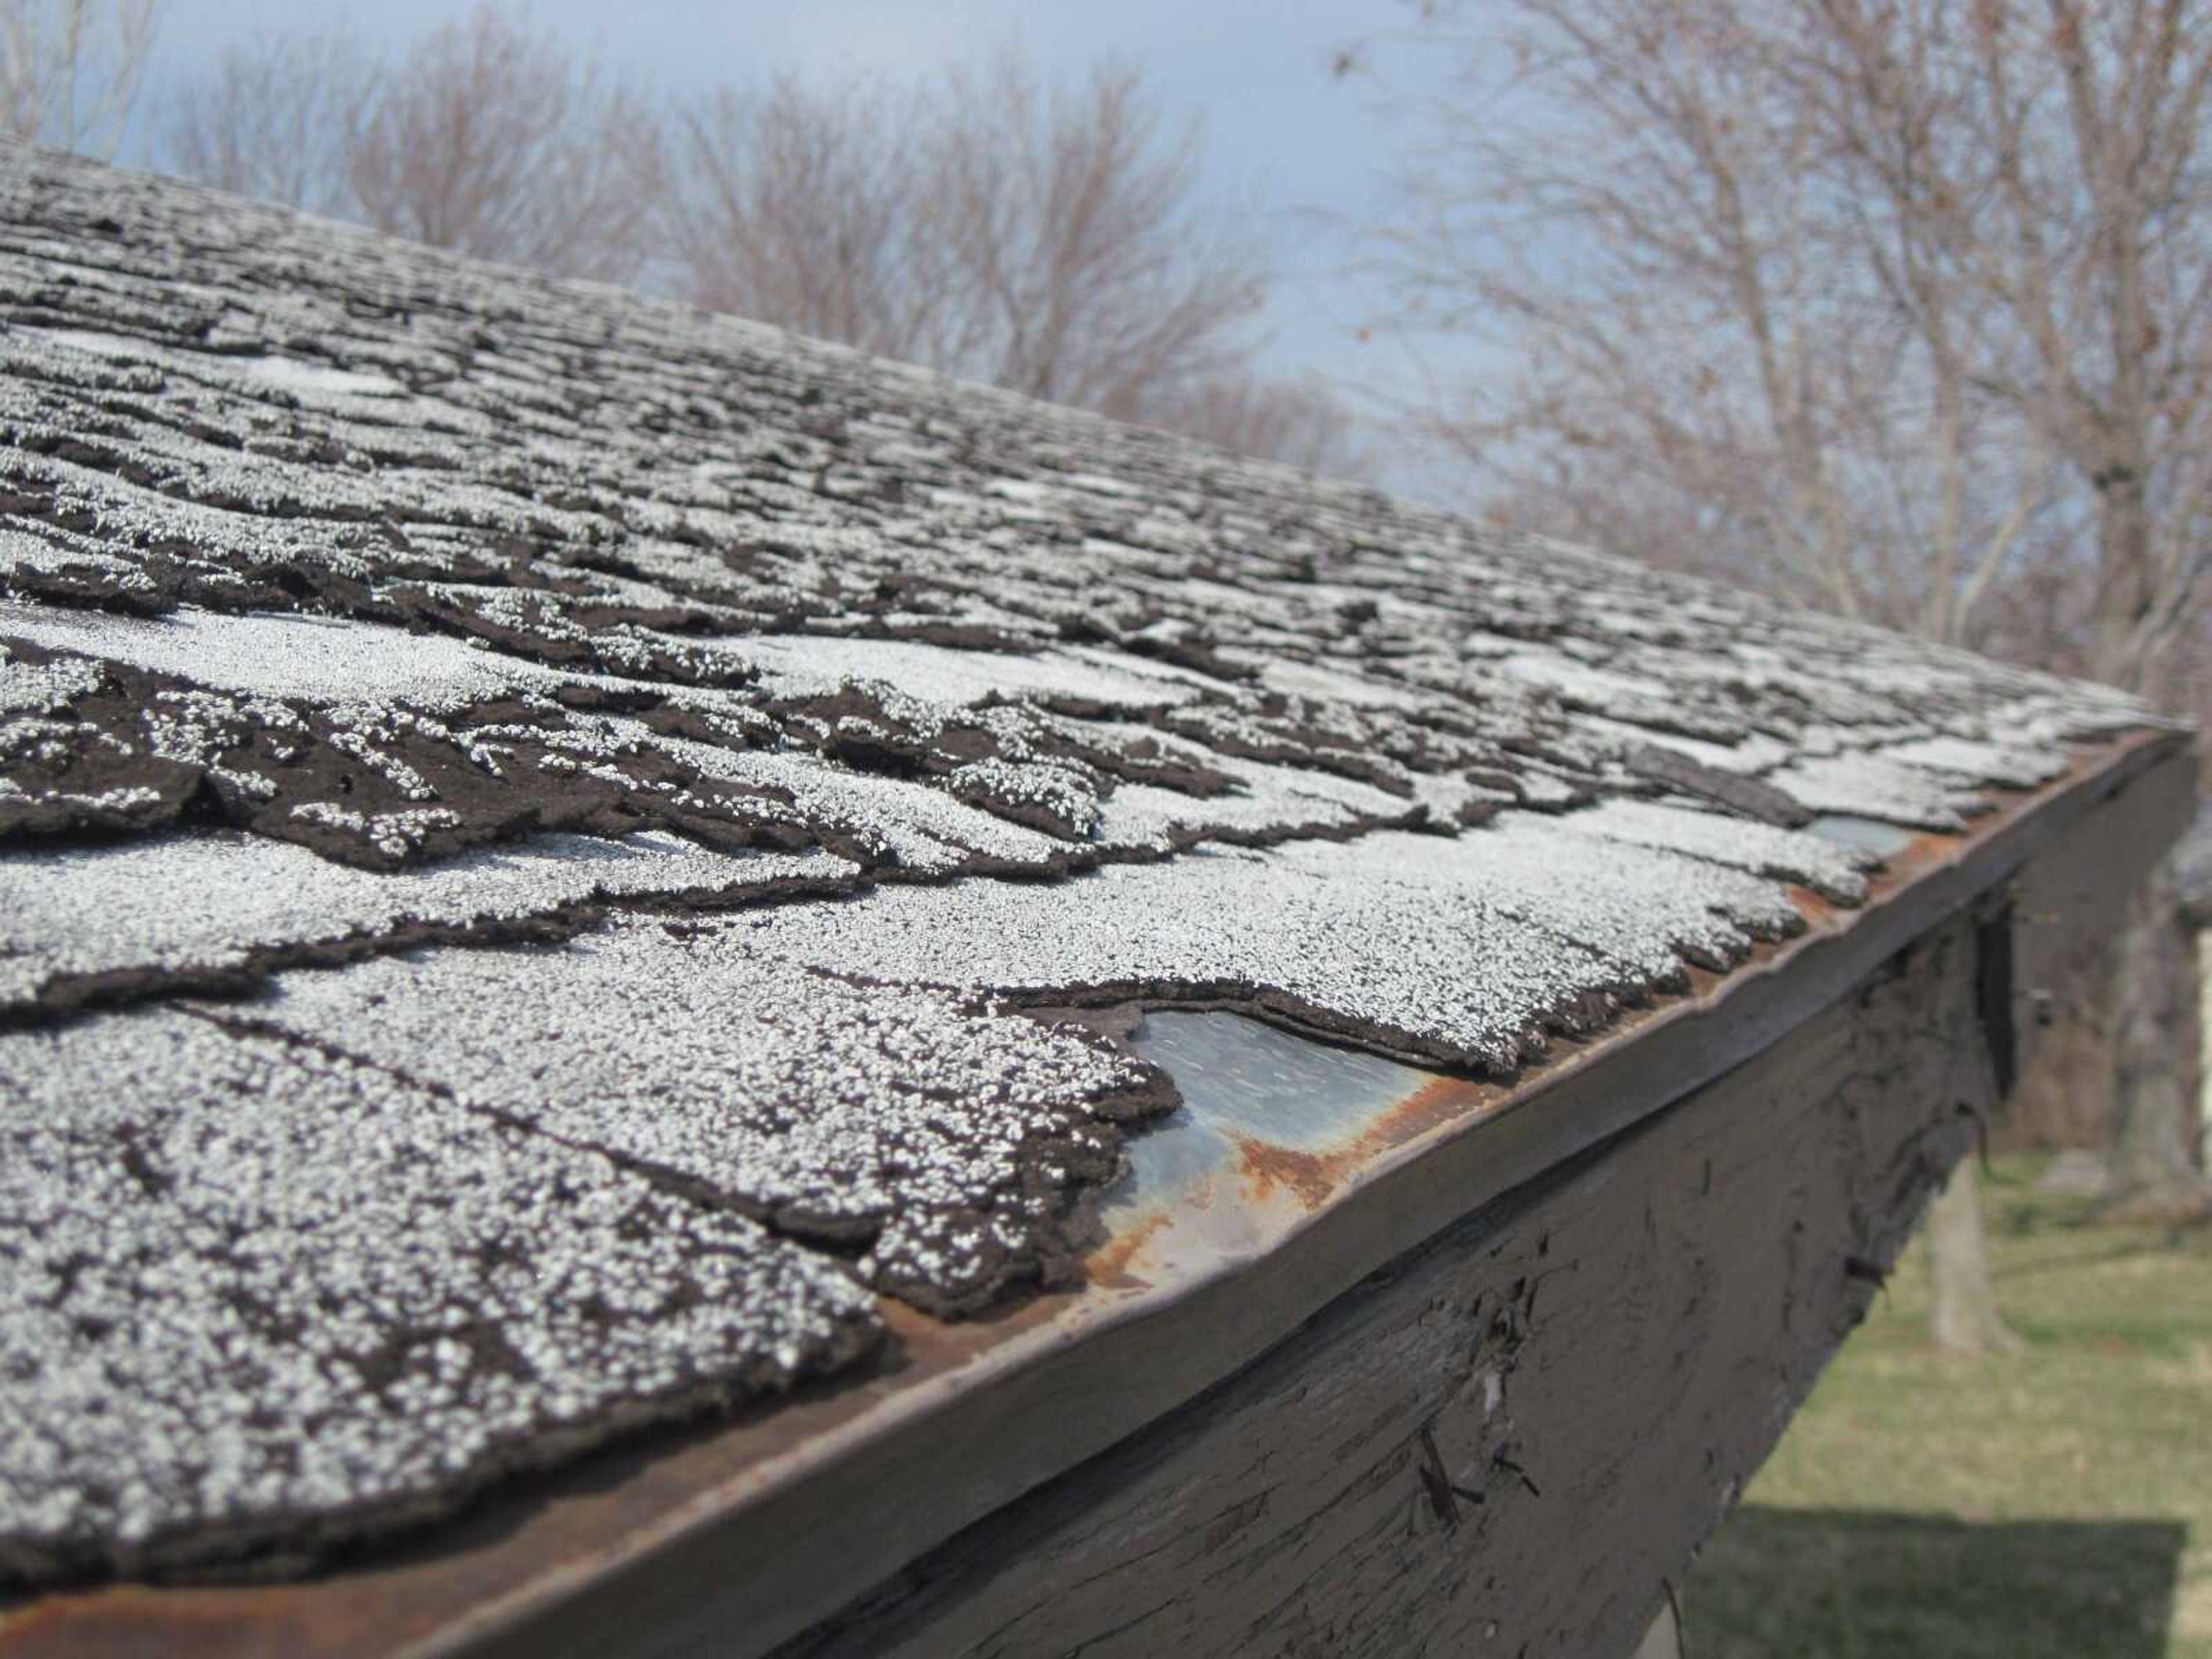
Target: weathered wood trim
point(806, 1548)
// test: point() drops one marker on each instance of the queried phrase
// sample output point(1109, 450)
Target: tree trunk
point(2150, 1170)
point(2153, 1167)
point(1963, 1317)
point(2201, 938)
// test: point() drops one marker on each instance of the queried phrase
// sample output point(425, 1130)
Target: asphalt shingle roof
point(528, 816)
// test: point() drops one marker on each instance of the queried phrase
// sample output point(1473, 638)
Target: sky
point(1302, 149)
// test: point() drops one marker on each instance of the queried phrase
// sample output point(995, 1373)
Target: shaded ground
point(2057, 1503)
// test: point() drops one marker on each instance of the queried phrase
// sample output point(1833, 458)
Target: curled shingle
point(958, 1147)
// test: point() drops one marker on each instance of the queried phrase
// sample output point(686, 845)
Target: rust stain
point(127, 1620)
point(1311, 1178)
point(1440, 1101)
point(1113, 1266)
point(1821, 915)
point(131, 1620)
point(933, 1345)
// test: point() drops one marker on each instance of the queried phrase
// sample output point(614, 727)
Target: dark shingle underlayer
point(588, 744)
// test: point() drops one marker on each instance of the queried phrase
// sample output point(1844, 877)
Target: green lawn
point(2056, 1502)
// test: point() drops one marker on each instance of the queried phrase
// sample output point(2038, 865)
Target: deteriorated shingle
point(1467, 952)
point(623, 770)
point(254, 1295)
point(94, 924)
point(954, 1144)
point(1836, 873)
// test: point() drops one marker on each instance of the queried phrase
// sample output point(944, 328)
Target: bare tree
point(492, 138)
point(1933, 279)
point(2037, 175)
point(814, 209)
point(1096, 280)
point(1896, 305)
point(486, 136)
point(278, 119)
point(70, 69)
point(1052, 241)
point(1644, 171)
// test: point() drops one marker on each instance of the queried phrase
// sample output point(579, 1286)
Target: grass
point(2056, 1503)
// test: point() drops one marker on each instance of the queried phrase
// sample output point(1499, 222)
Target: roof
point(541, 831)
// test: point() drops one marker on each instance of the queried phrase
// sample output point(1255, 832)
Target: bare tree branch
point(278, 119)
point(70, 69)
point(813, 210)
point(1905, 258)
point(486, 135)
point(1300, 423)
point(1052, 241)
point(493, 139)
